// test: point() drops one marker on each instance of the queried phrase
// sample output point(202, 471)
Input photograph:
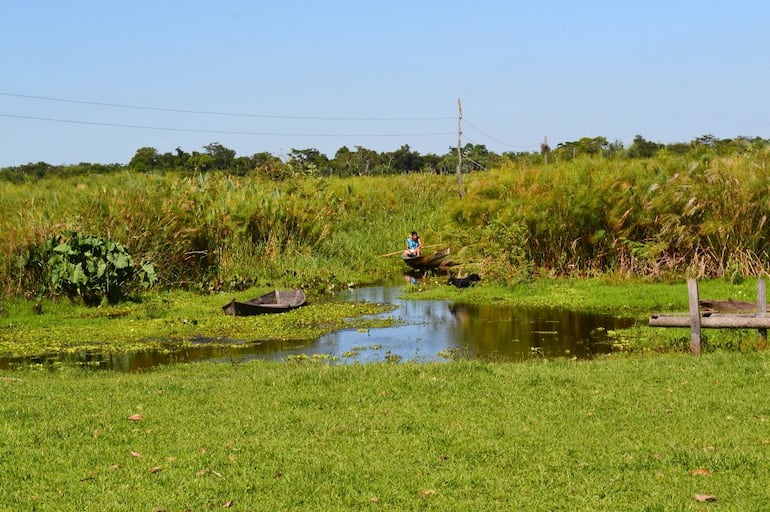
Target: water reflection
point(436, 330)
point(425, 330)
point(518, 333)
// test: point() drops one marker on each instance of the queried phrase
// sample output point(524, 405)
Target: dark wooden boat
point(426, 261)
point(727, 306)
point(278, 301)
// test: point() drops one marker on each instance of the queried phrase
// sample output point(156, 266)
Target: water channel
point(425, 330)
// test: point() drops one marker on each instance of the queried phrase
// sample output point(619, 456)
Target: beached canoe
point(426, 261)
point(278, 301)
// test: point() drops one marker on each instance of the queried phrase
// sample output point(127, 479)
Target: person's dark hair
point(414, 232)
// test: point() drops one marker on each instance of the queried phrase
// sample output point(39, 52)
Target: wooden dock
point(697, 320)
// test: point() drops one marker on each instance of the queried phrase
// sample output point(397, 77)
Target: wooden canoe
point(278, 301)
point(727, 306)
point(426, 261)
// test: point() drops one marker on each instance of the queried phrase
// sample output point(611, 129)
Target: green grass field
point(651, 429)
point(620, 433)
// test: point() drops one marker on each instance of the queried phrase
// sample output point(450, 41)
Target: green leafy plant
point(93, 269)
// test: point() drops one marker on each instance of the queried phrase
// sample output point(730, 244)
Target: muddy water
point(425, 331)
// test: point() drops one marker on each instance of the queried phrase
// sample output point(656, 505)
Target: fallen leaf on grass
point(702, 498)
point(228, 504)
point(700, 471)
point(136, 417)
point(202, 472)
point(426, 493)
point(155, 469)
point(135, 454)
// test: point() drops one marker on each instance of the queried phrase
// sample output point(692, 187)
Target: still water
point(424, 331)
point(439, 330)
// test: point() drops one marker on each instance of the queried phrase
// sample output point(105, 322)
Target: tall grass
point(216, 230)
point(661, 217)
point(655, 217)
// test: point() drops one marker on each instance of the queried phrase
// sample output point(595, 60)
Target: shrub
point(93, 269)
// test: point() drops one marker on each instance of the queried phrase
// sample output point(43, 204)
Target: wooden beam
point(713, 321)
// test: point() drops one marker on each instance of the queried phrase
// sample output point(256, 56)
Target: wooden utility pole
point(459, 147)
point(692, 298)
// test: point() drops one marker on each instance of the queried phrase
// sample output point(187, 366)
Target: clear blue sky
point(389, 72)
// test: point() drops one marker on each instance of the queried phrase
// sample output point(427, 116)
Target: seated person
point(413, 245)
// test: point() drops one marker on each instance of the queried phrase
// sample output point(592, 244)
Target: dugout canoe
point(426, 261)
point(278, 301)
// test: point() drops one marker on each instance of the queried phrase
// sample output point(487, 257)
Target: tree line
point(361, 161)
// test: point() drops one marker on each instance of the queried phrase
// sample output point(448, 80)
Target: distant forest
point(361, 161)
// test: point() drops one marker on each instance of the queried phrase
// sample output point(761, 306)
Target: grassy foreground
point(627, 433)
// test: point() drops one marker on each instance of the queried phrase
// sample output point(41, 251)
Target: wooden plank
point(695, 320)
point(713, 321)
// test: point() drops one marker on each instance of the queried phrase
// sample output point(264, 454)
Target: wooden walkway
point(697, 320)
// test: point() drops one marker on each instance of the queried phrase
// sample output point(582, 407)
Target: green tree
point(221, 157)
point(145, 159)
point(642, 148)
point(200, 162)
point(477, 156)
point(405, 160)
point(308, 161)
point(360, 162)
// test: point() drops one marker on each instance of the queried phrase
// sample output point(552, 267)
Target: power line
point(226, 132)
point(495, 139)
point(215, 113)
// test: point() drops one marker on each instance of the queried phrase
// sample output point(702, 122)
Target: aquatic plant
point(93, 269)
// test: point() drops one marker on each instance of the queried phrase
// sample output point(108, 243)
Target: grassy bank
point(634, 433)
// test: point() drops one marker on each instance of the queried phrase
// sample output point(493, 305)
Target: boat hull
point(427, 261)
point(278, 301)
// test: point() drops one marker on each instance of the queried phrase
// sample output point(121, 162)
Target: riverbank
point(167, 321)
point(624, 433)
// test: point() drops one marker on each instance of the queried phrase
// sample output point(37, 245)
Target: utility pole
point(459, 146)
point(544, 149)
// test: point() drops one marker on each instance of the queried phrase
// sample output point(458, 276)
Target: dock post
point(692, 294)
point(762, 306)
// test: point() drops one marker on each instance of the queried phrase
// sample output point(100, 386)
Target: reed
point(213, 231)
point(664, 217)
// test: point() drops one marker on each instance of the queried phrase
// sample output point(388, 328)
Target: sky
point(94, 81)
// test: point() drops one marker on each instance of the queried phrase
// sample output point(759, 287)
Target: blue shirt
point(412, 244)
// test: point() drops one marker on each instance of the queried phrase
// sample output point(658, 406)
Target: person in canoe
point(413, 245)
